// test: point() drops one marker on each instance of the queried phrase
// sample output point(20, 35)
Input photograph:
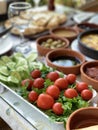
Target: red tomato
point(61, 83)
point(45, 101)
point(57, 108)
point(28, 83)
point(53, 91)
point(32, 96)
point(38, 83)
point(53, 76)
point(36, 74)
point(86, 94)
point(81, 86)
point(71, 78)
point(70, 93)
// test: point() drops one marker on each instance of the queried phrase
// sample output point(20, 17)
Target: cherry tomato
point(32, 96)
point(28, 83)
point(86, 94)
point(71, 78)
point(57, 108)
point(81, 86)
point(45, 101)
point(53, 76)
point(62, 83)
point(38, 83)
point(70, 93)
point(53, 90)
point(36, 74)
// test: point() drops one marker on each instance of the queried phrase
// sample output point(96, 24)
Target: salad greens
point(69, 105)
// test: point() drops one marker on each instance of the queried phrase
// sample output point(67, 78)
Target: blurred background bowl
point(49, 42)
point(89, 73)
point(85, 26)
point(83, 117)
point(65, 32)
point(89, 47)
point(65, 60)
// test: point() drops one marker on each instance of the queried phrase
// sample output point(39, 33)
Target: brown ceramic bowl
point(65, 32)
point(83, 117)
point(89, 74)
point(75, 59)
point(85, 26)
point(43, 50)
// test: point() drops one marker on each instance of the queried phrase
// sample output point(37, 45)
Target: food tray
point(36, 118)
point(33, 115)
point(30, 113)
point(37, 22)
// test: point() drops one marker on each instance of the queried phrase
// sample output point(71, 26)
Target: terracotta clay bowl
point(43, 41)
point(89, 73)
point(65, 32)
point(83, 117)
point(66, 56)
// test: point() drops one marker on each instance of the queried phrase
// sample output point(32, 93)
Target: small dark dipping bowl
point(86, 26)
point(84, 48)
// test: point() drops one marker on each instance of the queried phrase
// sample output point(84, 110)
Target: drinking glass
point(14, 10)
point(36, 3)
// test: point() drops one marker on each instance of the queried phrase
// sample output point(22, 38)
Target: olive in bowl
point(65, 32)
point(49, 42)
point(89, 73)
point(65, 60)
point(83, 119)
point(88, 43)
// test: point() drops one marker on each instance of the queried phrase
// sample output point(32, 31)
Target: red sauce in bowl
point(92, 72)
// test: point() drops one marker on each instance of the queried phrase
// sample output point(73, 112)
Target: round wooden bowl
point(83, 117)
point(70, 32)
point(87, 78)
point(55, 54)
point(44, 50)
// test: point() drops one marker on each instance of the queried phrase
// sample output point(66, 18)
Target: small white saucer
point(5, 45)
point(74, 46)
point(80, 17)
point(94, 19)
